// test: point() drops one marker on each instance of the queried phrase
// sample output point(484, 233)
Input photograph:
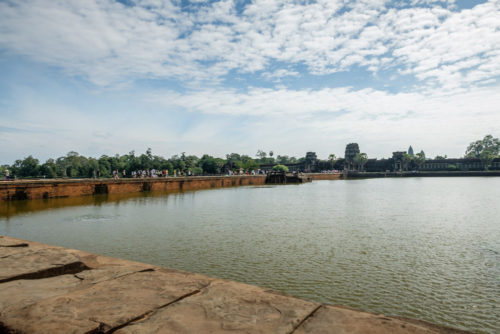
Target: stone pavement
point(49, 289)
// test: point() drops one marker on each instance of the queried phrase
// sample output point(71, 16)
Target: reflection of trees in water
point(13, 208)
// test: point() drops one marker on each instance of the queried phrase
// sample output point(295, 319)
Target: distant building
point(397, 160)
point(351, 150)
point(310, 162)
point(410, 151)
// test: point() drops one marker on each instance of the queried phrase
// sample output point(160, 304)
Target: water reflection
point(421, 248)
point(13, 208)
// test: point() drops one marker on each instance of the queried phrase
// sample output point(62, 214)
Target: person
point(7, 175)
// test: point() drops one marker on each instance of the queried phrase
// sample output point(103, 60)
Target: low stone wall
point(324, 176)
point(49, 289)
point(54, 188)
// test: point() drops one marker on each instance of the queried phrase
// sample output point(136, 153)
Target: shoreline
point(63, 188)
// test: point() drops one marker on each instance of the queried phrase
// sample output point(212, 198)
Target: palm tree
point(332, 158)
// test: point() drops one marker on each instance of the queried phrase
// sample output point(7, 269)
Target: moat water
point(426, 248)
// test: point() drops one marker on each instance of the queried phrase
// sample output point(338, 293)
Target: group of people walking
point(143, 173)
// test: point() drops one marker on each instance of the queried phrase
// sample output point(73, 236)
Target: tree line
point(78, 166)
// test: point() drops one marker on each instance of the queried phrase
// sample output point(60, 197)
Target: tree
point(282, 159)
point(49, 169)
point(419, 159)
point(209, 164)
point(261, 154)
point(332, 159)
point(486, 150)
point(248, 163)
point(405, 160)
point(234, 161)
point(488, 143)
point(26, 167)
point(487, 158)
point(280, 168)
point(360, 160)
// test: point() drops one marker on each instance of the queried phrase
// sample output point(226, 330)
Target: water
point(426, 248)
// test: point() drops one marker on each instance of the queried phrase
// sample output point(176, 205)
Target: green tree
point(280, 168)
point(261, 154)
point(360, 160)
point(332, 159)
point(419, 159)
point(26, 167)
point(49, 169)
point(487, 158)
point(283, 159)
point(488, 143)
point(210, 164)
point(486, 150)
point(234, 161)
point(405, 160)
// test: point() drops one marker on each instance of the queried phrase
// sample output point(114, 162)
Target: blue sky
point(107, 77)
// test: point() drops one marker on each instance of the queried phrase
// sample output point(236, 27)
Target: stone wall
point(36, 189)
point(324, 176)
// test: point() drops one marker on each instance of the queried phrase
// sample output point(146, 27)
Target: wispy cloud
point(109, 42)
point(242, 74)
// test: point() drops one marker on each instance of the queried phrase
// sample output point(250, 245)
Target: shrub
point(280, 168)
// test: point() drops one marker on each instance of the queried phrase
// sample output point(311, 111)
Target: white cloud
point(109, 42)
point(378, 120)
point(454, 55)
point(291, 122)
point(281, 73)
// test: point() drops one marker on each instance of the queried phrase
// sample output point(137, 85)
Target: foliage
point(406, 159)
point(210, 164)
point(75, 165)
point(332, 159)
point(360, 160)
point(280, 168)
point(419, 159)
point(488, 143)
point(486, 149)
point(261, 154)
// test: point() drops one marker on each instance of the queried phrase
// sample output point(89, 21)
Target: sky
point(108, 77)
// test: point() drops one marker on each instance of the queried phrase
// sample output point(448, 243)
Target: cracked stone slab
point(339, 320)
point(20, 293)
point(8, 242)
point(227, 307)
point(38, 263)
point(106, 305)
